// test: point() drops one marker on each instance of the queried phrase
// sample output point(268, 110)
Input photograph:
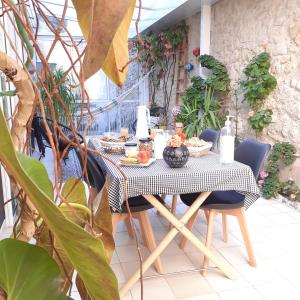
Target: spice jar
point(146, 145)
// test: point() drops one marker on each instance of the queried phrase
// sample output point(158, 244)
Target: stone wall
point(243, 28)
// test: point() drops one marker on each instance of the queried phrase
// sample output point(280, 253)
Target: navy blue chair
point(253, 154)
point(138, 205)
point(210, 135)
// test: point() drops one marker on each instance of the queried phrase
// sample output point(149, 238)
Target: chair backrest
point(253, 154)
point(210, 135)
point(95, 174)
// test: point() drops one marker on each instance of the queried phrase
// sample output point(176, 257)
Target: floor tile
point(278, 291)
point(154, 289)
point(176, 263)
point(248, 293)
point(117, 268)
point(221, 283)
point(129, 253)
point(129, 268)
point(189, 285)
point(213, 296)
point(282, 219)
point(235, 255)
point(262, 274)
point(197, 259)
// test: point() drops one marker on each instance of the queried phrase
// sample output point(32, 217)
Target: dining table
point(200, 174)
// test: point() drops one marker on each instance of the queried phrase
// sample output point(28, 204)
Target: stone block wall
point(244, 28)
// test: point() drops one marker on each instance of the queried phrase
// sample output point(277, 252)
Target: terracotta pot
point(176, 157)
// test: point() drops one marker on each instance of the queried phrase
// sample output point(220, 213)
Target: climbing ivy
point(158, 51)
point(260, 119)
point(257, 86)
point(218, 80)
point(281, 152)
point(259, 82)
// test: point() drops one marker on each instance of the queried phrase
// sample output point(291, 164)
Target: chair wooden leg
point(115, 219)
point(189, 226)
point(148, 237)
point(209, 237)
point(206, 212)
point(163, 197)
point(173, 208)
point(129, 228)
point(224, 225)
point(245, 233)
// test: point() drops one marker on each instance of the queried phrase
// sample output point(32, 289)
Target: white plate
point(151, 161)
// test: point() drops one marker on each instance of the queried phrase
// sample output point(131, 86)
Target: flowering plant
point(176, 140)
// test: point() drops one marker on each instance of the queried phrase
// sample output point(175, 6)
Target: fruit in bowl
point(143, 157)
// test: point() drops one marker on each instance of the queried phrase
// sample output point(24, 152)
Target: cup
point(124, 132)
point(153, 133)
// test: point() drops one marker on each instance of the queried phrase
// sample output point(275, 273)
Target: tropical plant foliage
point(201, 103)
point(197, 119)
point(85, 252)
point(75, 237)
point(27, 272)
point(64, 82)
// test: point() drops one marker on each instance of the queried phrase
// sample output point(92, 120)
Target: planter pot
point(176, 157)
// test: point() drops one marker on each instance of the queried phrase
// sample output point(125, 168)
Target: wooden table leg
point(179, 225)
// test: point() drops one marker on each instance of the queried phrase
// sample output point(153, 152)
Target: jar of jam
point(130, 147)
point(146, 145)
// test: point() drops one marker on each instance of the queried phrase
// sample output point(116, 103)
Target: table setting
point(156, 162)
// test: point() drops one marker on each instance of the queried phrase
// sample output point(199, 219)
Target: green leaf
point(85, 252)
point(28, 272)
point(74, 191)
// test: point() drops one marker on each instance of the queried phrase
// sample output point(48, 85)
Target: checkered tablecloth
point(198, 175)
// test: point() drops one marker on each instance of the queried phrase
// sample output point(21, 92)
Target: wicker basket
point(113, 147)
point(199, 151)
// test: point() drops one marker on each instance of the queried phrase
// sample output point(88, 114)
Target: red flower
point(196, 52)
point(182, 136)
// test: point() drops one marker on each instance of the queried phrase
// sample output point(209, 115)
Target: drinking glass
point(124, 132)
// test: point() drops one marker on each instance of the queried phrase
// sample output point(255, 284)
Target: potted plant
point(176, 154)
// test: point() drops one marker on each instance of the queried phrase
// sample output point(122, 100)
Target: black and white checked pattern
point(199, 175)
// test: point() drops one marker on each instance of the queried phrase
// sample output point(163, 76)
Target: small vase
point(176, 157)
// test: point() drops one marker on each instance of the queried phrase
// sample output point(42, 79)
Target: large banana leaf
point(74, 191)
point(85, 252)
point(27, 272)
point(99, 21)
point(117, 57)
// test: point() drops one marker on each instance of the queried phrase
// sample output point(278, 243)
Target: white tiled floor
point(275, 231)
